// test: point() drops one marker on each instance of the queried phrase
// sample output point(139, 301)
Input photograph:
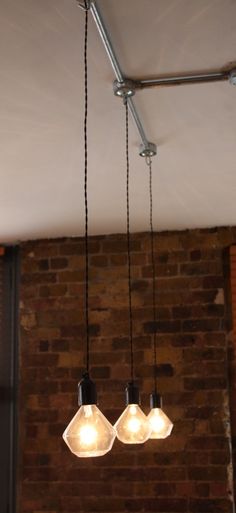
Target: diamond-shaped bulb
point(132, 427)
point(161, 425)
point(89, 433)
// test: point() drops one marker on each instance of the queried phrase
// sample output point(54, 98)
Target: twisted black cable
point(86, 181)
point(128, 244)
point(149, 162)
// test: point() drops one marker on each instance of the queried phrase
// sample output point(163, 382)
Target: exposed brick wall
point(189, 471)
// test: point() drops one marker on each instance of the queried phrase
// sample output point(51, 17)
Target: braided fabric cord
point(149, 163)
point(86, 181)
point(128, 244)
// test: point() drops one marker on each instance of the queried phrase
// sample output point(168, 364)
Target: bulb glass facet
point(161, 425)
point(132, 427)
point(89, 433)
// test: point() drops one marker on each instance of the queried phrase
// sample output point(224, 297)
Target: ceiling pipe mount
point(148, 151)
point(124, 89)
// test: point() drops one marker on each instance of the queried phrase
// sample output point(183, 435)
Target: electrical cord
point(149, 163)
point(86, 8)
point(128, 243)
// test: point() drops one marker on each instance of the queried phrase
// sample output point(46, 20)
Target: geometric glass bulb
point(132, 427)
point(89, 433)
point(161, 425)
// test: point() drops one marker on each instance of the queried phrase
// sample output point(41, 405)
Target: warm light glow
point(132, 427)
point(133, 423)
point(89, 433)
point(161, 425)
point(157, 423)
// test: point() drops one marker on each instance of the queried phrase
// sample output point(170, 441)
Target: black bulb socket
point(132, 394)
point(155, 400)
point(87, 393)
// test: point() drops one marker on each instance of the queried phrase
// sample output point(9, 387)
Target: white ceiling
point(41, 114)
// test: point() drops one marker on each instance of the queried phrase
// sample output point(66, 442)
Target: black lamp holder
point(155, 400)
point(132, 394)
point(87, 393)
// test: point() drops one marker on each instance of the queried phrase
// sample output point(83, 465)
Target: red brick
point(110, 245)
point(210, 505)
point(164, 369)
point(161, 270)
point(99, 261)
point(57, 290)
point(165, 489)
point(195, 255)
point(79, 330)
point(100, 372)
point(220, 457)
point(216, 473)
point(60, 345)
point(58, 263)
point(207, 442)
point(162, 327)
point(39, 278)
point(43, 265)
point(213, 282)
point(215, 383)
point(119, 259)
point(201, 325)
point(208, 354)
point(219, 489)
point(78, 248)
point(155, 504)
point(44, 346)
point(70, 276)
point(201, 268)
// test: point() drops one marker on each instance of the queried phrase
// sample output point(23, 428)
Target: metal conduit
point(116, 67)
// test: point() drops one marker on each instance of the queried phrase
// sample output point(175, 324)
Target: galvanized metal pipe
point(106, 40)
point(182, 79)
point(116, 66)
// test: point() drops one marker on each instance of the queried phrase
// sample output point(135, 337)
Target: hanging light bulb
point(161, 425)
point(89, 433)
point(132, 427)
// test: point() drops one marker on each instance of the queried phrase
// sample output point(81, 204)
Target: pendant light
point(132, 427)
point(89, 433)
point(161, 425)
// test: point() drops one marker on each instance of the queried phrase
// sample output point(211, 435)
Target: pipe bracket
point(148, 150)
point(124, 89)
